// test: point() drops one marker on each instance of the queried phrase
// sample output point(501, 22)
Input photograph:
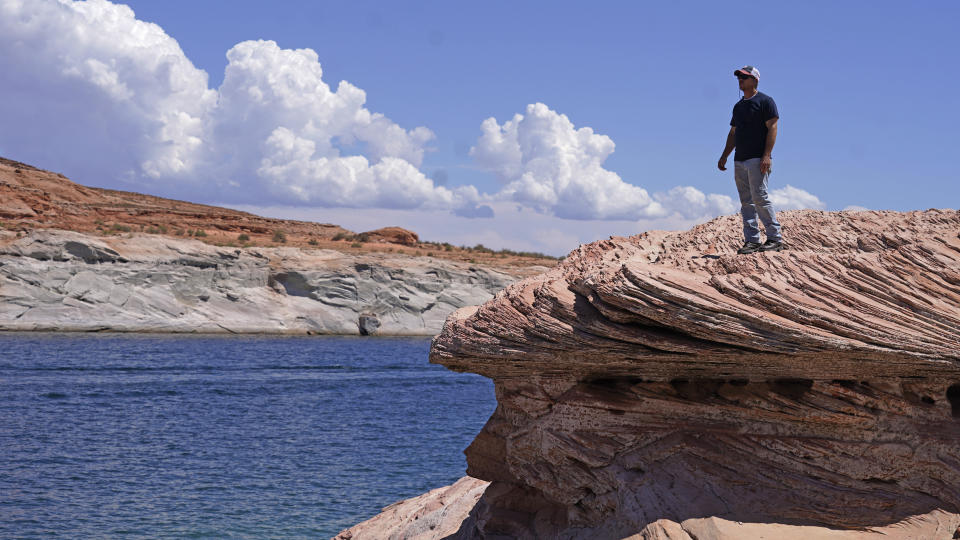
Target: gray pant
point(754, 200)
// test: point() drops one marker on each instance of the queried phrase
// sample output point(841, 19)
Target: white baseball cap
point(749, 71)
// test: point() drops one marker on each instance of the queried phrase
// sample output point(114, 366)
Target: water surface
point(107, 435)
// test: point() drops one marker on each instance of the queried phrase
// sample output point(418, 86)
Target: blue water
point(110, 435)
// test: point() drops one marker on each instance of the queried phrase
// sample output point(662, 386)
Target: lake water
point(118, 435)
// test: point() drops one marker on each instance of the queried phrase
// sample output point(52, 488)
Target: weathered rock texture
point(661, 380)
point(435, 514)
point(61, 280)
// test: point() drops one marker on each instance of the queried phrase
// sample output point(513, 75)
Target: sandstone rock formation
point(661, 386)
point(31, 198)
point(62, 280)
point(436, 514)
point(393, 235)
point(34, 198)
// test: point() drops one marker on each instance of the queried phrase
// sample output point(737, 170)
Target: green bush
point(280, 236)
point(356, 245)
point(243, 238)
point(200, 232)
point(340, 236)
point(313, 242)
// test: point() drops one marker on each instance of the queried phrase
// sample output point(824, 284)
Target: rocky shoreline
point(55, 280)
point(662, 387)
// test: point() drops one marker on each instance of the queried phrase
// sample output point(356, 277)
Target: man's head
point(749, 77)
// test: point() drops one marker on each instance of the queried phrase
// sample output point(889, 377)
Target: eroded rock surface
point(661, 386)
point(62, 280)
point(435, 514)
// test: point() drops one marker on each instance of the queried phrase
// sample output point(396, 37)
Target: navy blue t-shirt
point(750, 118)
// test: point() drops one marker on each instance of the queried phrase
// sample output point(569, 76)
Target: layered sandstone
point(69, 281)
point(82, 258)
point(661, 386)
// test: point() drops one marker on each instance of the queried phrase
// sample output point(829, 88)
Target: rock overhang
point(663, 377)
point(667, 305)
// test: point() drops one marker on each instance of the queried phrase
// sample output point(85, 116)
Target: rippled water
point(207, 436)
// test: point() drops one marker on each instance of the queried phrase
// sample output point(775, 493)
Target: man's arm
point(766, 164)
point(731, 143)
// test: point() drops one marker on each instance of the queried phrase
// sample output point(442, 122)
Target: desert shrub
point(200, 232)
point(313, 242)
point(340, 236)
point(447, 247)
point(529, 254)
point(356, 245)
point(116, 227)
point(280, 236)
point(244, 237)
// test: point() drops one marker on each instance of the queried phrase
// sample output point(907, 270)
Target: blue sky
point(867, 91)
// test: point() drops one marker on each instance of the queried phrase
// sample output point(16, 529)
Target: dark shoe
point(771, 245)
point(749, 247)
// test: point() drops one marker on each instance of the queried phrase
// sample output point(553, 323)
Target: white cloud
point(89, 80)
point(791, 198)
point(114, 101)
point(551, 166)
point(120, 100)
point(691, 203)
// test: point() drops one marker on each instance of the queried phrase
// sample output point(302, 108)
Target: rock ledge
point(660, 387)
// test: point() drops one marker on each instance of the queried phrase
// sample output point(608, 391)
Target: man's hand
point(766, 164)
point(722, 164)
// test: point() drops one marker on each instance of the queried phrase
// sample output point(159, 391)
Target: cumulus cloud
point(547, 164)
point(89, 80)
point(114, 101)
point(791, 198)
point(119, 100)
point(691, 203)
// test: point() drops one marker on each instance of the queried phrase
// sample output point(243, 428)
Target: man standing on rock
point(753, 132)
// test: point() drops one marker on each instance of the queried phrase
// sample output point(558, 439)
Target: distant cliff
point(62, 280)
point(82, 258)
point(32, 198)
point(662, 387)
